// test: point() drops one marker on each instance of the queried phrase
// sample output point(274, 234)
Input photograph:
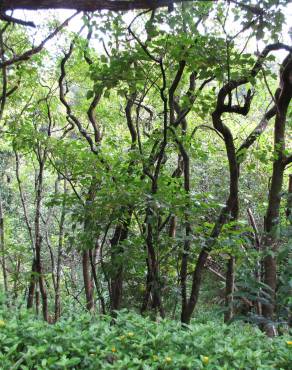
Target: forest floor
point(83, 341)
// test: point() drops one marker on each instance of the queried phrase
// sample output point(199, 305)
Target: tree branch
point(29, 53)
point(8, 18)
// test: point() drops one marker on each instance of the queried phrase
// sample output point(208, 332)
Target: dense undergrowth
point(134, 342)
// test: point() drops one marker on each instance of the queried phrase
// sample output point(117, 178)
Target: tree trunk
point(289, 218)
point(272, 217)
point(116, 281)
point(229, 289)
point(38, 240)
point(289, 201)
point(32, 284)
point(84, 5)
point(3, 256)
point(97, 285)
point(59, 257)
point(87, 280)
point(152, 283)
point(258, 269)
point(88, 229)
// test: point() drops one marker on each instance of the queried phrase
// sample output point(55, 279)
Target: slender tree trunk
point(229, 288)
point(17, 278)
point(97, 285)
point(152, 281)
point(289, 218)
point(188, 309)
point(116, 281)
point(88, 229)
point(172, 227)
point(37, 299)
point(289, 201)
point(3, 252)
point(59, 256)
point(270, 246)
point(258, 270)
point(33, 278)
point(32, 285)
point(88, 287)
point(38, 241)
point(229, 212)
point(122, 229)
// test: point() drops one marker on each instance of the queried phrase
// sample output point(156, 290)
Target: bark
point(59, 257)
point(116, 281)
point(258, 271)
point(2, 106)
point(86, 5)
point(289, 201)
point(88, 229)
point(3, 252)
point(38, 241)
point(4, 74)
point(172, 227)
point(32, 285)
point(289, 219)
point(272, 217)
point(37, 301)
point(113, 5)
point(88, 286)
point(17, 278)
point(97, 285)
point(152, 280)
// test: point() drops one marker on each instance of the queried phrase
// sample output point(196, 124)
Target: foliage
point(133, 342)
point(143, 166)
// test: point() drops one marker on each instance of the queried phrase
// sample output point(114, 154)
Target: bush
point(135, 342)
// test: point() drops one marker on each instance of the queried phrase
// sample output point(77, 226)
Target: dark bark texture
point(272, 218)
point(85, 5)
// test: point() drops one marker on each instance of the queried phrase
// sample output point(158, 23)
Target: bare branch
point(10, 19)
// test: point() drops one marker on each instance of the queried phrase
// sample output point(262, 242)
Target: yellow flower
point(155, 358)
point(205, 360)
point(130, 334)
point(289, 343)
point(168, 359)
point(122, 337)
point(114, 349)
point(2, 323)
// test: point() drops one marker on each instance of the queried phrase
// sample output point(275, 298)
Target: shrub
point(135, 342)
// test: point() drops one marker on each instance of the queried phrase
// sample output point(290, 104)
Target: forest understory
point(145, 184)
